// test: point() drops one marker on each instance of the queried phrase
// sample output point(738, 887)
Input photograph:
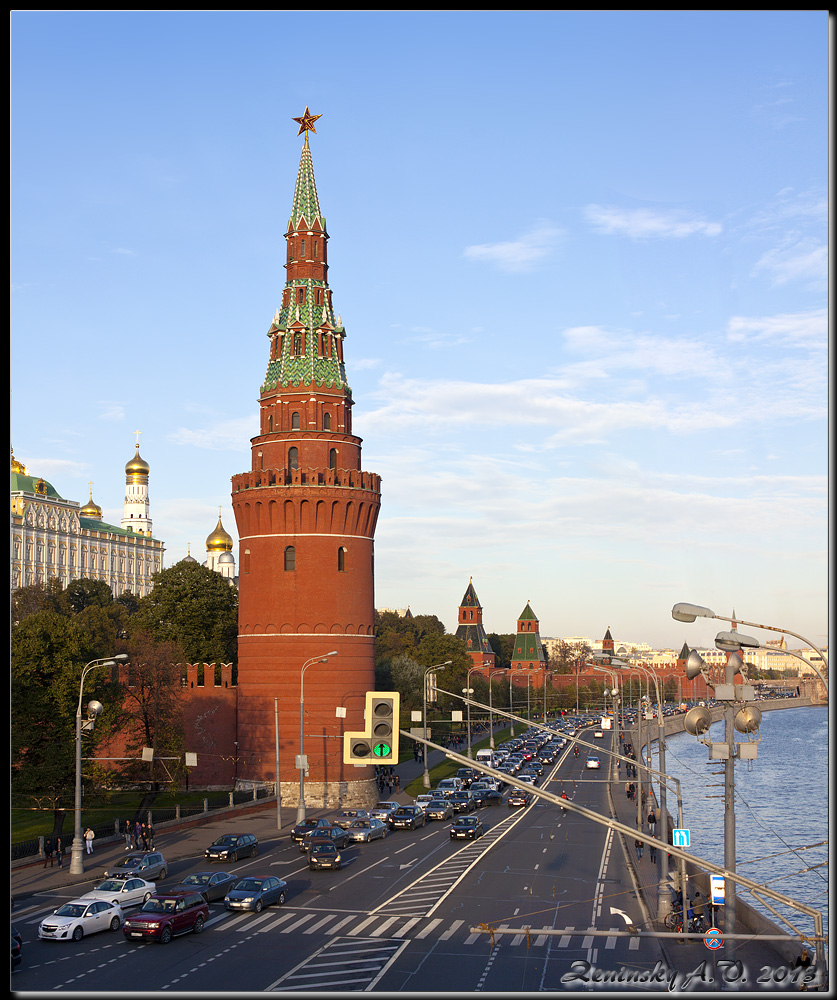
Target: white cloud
point(225, 436)
point(797, 259)
point(517, 255)
point(807, 329)
point(645, 223)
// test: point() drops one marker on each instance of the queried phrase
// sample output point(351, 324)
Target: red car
point(165, 915)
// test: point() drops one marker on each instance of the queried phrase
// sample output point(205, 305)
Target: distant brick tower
point(471, 630)
point(306, 517)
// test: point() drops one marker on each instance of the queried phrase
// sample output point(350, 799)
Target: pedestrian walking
point(652, 852)
point(127, 832)
point(59, 852)
point(48, 859)
point(627, 789)
point(144, 836)
point(638, 845)
point(150, 832)
point(652, 821)
point(137, 835)
point(88, 840)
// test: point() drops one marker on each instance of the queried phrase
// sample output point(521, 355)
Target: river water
point(781, 807)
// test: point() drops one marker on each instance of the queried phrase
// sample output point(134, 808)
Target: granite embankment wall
point(748, 919)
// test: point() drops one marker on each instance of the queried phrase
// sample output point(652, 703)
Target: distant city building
point(401, 612)
point(56, 538)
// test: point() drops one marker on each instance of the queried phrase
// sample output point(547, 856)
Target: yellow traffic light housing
point(378, 743)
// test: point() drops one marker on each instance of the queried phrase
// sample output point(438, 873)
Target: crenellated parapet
point(353, 479)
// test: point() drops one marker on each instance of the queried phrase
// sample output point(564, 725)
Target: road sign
point(680, 838)
point(712, 939)
point(716, 889)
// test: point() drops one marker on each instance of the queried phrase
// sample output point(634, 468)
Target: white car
point(592, 762)
point(80, 917)
point(125, 891)
point(598, 735)
point(424, 800)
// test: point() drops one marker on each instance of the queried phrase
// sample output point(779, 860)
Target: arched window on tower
point(290, 558)
point(326, 421)
point(293, 458)
point(332, 459)
point(270, 423)
point(341, 559)
point(294, 421)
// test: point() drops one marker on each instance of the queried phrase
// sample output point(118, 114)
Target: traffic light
point(378, 743)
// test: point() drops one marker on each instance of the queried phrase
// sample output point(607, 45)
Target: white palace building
point(54, 538)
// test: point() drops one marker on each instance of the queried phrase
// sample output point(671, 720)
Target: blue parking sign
point(680, 838)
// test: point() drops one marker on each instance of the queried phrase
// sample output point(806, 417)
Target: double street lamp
point(94, 709)
point(302, 763)
point(427, 673)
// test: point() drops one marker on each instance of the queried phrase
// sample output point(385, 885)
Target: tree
point(503, 646)
point(38, 597)
point(151, 712)
point(194, 608)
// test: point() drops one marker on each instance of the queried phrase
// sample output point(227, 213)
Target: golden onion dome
point(137, 466)
point(219, 540)
point(91, 509)
point(17, 466)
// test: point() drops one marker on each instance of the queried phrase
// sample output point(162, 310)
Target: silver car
point(148, 865)
point(364, 830)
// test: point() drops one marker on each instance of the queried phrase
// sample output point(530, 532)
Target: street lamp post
point(77, 850)
point(300, 809)
point(499, 670)
point(428, 671)
point(470, 691)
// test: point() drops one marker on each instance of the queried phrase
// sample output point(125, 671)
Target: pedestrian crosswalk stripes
point(362, 925)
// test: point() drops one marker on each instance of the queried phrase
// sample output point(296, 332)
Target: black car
point(407, 818)
point(232, 846)
point(211, 885)
point(493, 798)
point(337, 834)
point(324, 854)
point(466, 828)
point(517, 797)
point(307, 825)
point(462, 802)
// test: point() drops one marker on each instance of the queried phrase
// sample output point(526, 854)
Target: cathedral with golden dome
point(219, 555)
point(56, 538)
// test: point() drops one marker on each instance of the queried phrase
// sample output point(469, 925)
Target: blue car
point(255, 892)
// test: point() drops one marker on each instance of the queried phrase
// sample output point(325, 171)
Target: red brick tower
point(306, 517)
point(471, 631)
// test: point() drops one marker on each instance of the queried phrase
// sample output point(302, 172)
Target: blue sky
point(580, 257)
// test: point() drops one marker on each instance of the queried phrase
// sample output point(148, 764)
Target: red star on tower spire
point(306, 122)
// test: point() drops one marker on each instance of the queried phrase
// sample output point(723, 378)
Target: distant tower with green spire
point(528, 654)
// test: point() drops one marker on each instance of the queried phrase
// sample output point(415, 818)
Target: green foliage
point(194, 608)
point(405, 647)
point(503, 646)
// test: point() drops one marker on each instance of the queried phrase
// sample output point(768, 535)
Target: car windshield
point(157, 905)
point(249, 884)
point(112, 885)
point(226, 841)
point(467, 821)
point(201, 878)
point(323, 849)
point(71, 910)
point(360, 824)
point(129, 863)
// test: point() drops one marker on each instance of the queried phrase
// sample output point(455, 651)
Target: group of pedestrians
point(388, 781)
point(138, 836)
point(53, 851)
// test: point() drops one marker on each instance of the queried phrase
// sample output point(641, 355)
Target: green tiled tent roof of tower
point(527, 646)
point(306, 203)
point(528, 614)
